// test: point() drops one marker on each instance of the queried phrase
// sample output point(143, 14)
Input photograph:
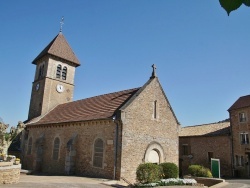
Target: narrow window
point(236, 160)
point(42, 72)
point(29, 146)
point(242, 117)
point(241, 162)
point(210, 155)
point(155, 109)
point(58, 71)
point(185, 149)
point(64, 73)
point(244, 139)
point(98, 153)
point(56, 148)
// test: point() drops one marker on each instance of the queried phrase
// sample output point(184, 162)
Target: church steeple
point(54, 78)
point(59, 47)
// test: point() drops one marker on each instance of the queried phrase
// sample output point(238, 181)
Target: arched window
point(29, 146)
point(58, 71)
point(155, 109)
point(98, 153)
point(56, 148)
point(64, 73)
point(41, 71)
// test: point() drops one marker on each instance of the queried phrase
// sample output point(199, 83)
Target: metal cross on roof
point(61, 23)
point(154, 71)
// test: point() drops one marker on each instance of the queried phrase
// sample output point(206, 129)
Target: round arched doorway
point(153, 157)
point(154, 153)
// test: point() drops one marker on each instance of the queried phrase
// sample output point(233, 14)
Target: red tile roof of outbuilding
point(98, 107)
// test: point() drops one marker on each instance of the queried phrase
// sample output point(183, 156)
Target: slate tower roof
point(59, 47)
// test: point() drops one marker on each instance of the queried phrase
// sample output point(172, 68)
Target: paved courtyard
point(32, 181)
point(41, 181)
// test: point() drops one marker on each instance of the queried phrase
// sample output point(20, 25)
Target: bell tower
point(54, 77)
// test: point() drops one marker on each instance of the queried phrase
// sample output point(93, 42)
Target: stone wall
point(46, 97)
point(143, 132)
point(240, 149)
point(10, 174)
point(85, 135)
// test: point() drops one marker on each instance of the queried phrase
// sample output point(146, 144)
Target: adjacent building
point(240, 127)
point(102, 136)
point(198, 144)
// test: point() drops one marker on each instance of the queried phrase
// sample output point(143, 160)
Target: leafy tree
point(7, 138)
point(231, 5)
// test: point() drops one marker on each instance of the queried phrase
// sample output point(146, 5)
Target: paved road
point(237, 183)
point(31, 181)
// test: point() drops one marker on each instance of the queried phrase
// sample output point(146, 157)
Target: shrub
point(199, 171)
point(170, 170)
point(148, 173)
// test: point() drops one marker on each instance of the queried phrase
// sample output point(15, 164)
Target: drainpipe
point(115, 145)
point(232, 148)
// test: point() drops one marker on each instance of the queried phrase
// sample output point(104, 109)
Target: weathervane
point(61, 23)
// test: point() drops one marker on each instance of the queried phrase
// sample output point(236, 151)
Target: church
point(105, 136)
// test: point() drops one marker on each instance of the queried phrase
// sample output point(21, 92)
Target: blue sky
point(202, 55)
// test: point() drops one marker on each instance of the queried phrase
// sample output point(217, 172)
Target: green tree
point(231, 5)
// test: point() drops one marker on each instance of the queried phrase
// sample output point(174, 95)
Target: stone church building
point(104, 136)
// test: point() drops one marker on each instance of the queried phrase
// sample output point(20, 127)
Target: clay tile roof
point(242, 102)
point(213, 129)
point(59, 47)
point(99, 107)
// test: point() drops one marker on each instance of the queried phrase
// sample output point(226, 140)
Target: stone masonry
point(141, 129)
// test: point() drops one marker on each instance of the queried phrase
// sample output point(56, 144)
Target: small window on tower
point(58, 71)
point(64, 73)
point(42, 72)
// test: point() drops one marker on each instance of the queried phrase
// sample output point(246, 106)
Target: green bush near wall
point(199, 171)
point(170, 170)
point(148, 173)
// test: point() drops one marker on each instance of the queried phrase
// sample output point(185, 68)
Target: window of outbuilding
point(29, 146)
point(242, 117)
point(58, 71)
point(185, 149)
point(98, 153)
point(56, 148)
point(244, 139)
point(210, 155)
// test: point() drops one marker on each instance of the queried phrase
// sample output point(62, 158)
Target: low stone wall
point(10, 174)
point(209, 181)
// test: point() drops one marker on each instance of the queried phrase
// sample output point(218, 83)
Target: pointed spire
point(59, 47)
point(154, 71)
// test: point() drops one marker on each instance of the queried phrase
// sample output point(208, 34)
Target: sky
point(201, 54)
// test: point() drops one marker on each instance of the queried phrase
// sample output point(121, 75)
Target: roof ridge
point(104, 94)
point(219, 122)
